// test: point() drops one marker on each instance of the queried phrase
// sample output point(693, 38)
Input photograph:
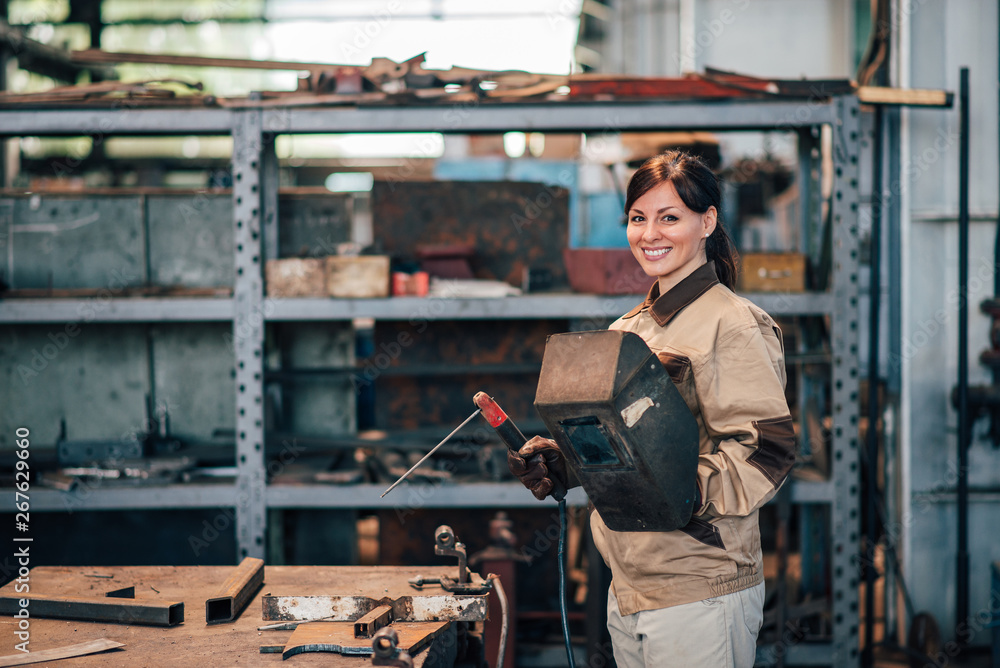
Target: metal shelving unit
point(568, 305)
point(255, 187)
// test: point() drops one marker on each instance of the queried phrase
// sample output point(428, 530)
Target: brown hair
point(698, 187)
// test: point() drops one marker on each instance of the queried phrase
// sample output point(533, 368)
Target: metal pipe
point(235, 593)
point(964, 426)
point(871, 441)
point(112, 610)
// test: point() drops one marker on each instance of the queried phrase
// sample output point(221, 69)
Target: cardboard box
point(605, 271)
point(296, 277)
point(359, 276)
point(772, 272)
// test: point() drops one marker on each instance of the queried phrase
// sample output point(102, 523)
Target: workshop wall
point(946, 36)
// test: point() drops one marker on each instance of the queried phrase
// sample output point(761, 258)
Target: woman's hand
point(536, 464)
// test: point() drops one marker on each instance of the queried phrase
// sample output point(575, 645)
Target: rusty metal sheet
point(511, 225)
point(417, 608)
point(406, 400)
point(54, 654)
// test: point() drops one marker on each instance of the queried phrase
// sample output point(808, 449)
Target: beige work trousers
point(718, 632)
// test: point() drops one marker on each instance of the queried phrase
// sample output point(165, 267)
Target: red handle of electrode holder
point(509, 433)
point(502, 425)
point(491, 410)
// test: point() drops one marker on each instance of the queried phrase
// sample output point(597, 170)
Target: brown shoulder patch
point(775, 453)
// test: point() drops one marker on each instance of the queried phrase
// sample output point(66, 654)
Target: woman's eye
point(669, 219)
point(636, 219)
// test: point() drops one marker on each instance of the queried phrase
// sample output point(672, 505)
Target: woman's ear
point(709, 220)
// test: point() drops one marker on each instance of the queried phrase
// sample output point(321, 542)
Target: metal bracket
point(446, 544)
point(385, 651)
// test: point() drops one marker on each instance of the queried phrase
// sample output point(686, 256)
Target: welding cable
point(562, 582)
point(504, 616)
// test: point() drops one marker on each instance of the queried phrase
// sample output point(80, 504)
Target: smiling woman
point(693, 596)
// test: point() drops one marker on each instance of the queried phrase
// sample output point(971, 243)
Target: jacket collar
point(663, 308)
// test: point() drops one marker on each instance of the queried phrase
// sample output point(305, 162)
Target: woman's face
point(666, 237)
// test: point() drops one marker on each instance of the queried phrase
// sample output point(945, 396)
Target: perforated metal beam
point(248, 334)
point(845, 517)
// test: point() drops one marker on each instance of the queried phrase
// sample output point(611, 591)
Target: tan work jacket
point(725, 356)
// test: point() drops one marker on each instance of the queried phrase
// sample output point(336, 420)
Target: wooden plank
point(68, 652)
point(909, 97)
point(95, 56)
point(234, 594)
point(115, 610)
point(338, 637)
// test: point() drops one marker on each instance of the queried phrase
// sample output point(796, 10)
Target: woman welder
point(695, 596)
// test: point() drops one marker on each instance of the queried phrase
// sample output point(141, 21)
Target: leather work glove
point(537, 463)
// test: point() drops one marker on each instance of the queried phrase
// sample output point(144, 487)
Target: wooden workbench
point(193, 643)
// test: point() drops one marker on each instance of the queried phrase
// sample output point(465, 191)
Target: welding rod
point(424, 458)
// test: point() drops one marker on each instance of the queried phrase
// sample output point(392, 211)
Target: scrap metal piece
point(418, 581)
point(385, 650)
point(446, 544)
point(367, 626)
point(67, 652)
point(117, 610)
point(75, 453)
point(124, 592)
point(236, 592)
point(272, 649)
point(426, 608)
point(338, 637)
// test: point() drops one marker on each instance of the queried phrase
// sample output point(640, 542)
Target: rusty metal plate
point(511, 225)
point(418, 608)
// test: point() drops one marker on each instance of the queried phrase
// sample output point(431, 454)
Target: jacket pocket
point(679, 369)
point(704, 532)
